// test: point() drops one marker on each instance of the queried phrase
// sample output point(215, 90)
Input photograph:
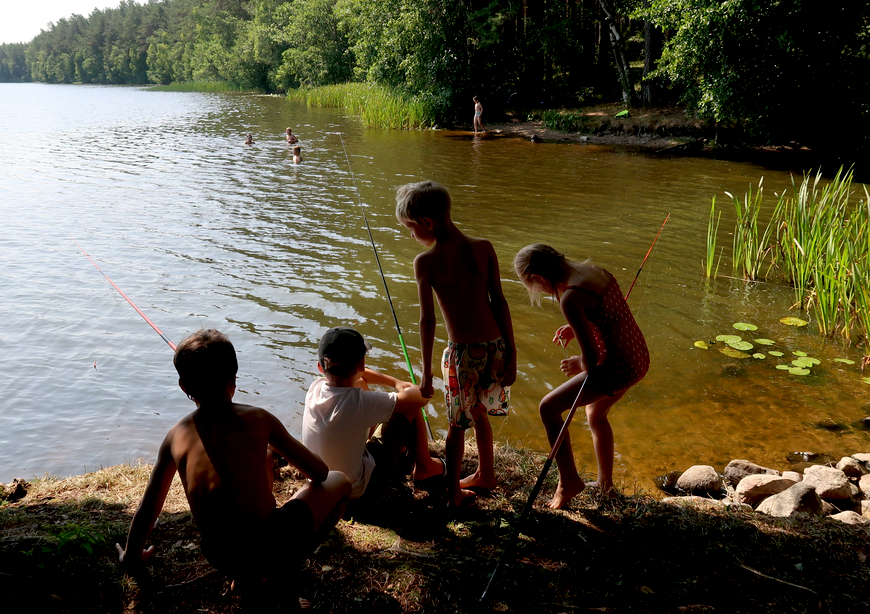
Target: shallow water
point(200, 230)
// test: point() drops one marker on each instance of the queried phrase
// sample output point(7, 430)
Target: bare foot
point(433, 469)
point(476, 481)
point(608, 492)
point(564, 493)
point(460, 497)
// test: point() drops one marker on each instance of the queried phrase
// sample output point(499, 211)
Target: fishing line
point(139, 311)
point(384, 279)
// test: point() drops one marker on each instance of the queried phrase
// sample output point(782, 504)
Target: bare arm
point(164, 470)
point(502, 314)
point(427, 324)
point(309, 463)
point(573, 305)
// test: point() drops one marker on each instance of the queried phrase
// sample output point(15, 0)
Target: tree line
point(773, 69)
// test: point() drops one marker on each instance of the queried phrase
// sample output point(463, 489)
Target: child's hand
point(563, 335)
point(572, 365)
point(403, 386)
point(130, 562)
point(426, 387)
point(510, 373)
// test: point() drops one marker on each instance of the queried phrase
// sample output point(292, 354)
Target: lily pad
point(765, 342)
point(791, 321)
point(744, 326)
point(799, 371)
point(728, 338)
point(740, 345)
point(799, 353)
point(866, 380)
point(702, 345)
point(775, 353)
point(783, 367)
point(803, 362)
point(845, 361)
point(759, 356)
point(731, 352)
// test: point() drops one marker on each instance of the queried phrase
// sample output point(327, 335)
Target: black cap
point(340, 349)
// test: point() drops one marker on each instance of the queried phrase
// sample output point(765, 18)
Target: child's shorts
point(472, 376)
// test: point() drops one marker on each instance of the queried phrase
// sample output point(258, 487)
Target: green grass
point(376, 106)
point(204, 86)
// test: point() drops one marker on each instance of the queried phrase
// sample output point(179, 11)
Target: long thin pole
point(556, 445)
point(139, 311)
point(386, 288)
point(648, 252)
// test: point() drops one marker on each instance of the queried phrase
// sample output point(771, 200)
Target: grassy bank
point(204, 86)
point(376, 106)
point(633, 554)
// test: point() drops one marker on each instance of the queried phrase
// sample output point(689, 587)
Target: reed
point(750, 247)
point(712, 233)
point(377, 106)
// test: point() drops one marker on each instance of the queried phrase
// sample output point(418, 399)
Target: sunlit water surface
point(200, 230)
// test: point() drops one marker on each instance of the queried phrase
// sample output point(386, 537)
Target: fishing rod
point(384, 279)
point(555, 449)
point(139, 311)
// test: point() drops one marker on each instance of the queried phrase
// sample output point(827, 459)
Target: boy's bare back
point(463, 273)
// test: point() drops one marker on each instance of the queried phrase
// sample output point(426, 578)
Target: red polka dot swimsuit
point(623, 355)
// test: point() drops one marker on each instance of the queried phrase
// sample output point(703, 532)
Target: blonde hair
point(543, 261)
point(415, 201)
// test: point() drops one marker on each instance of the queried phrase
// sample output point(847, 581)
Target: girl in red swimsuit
point(613, 356)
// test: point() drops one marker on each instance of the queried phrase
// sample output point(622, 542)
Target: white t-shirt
point(336, 425)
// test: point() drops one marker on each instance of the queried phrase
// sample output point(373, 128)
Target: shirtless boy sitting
point(222, 454)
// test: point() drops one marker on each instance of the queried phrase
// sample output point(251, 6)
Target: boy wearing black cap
point(341, 413)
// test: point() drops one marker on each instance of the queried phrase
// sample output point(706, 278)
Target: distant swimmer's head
point(297, 150)
point(424, 199)
point(340, 351)
point(206, 363)
point(249, 139)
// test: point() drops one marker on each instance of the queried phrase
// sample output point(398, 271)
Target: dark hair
point(206, 362)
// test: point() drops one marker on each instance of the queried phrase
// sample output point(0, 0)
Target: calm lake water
point(200, 230)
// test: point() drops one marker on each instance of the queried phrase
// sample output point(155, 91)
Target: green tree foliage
point(776, 68)
point(12, 63)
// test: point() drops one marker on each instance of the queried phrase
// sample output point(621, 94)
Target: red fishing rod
point(555, 449)
point(139, 311)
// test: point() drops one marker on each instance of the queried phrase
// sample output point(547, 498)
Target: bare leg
point(552, 406)
point(602, 439)
point(484, 477)
point(327, 502)
point(424, 465)
point(455, 448)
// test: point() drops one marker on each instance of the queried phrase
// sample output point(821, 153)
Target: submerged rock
point(668, 482)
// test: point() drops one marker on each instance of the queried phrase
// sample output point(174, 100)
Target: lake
point(200, 230)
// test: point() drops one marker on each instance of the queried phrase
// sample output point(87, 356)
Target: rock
point(829, 482)
point(793, 475)
point(852, 467)
point(851, 518)
point(736, 470)
point(862, 457)
point(536, 139)
point(867, 421)
point(694, 501)
point(800, 497)
point(668, 482)
point(828, 509)
point(754, 488)
point(865, 509)
point(700, 479)
point(864, 485)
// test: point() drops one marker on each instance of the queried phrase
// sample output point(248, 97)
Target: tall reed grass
point(818, 240)
point(204, 86)
point(712, 233)
point(377, 106)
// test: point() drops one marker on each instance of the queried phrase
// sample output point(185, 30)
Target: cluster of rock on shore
point(841, 491)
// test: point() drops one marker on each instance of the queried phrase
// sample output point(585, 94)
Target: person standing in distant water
point(249, 140)
point(478, 111)
point(297, 155)
point(291, 138)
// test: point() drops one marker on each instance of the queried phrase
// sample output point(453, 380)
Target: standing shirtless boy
point(479, 363)
point(221, 452)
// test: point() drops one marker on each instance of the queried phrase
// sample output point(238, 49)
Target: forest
point(774, 70)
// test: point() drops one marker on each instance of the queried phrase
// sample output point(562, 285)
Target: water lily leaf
point(793, 321)
point(799, 353)
point(799, 371)
point(783, 367)
point(701, 344)
point(728, 338)
point(744, 326)
point(866, 380)
point(740, 345)
point(803, 362)
point(815, 361)
point(759, 356)
point(775, 353)
point(845, 361)
point(731, 352)
point(765, 341)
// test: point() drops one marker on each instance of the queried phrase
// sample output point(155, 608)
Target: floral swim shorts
point(472, 376)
